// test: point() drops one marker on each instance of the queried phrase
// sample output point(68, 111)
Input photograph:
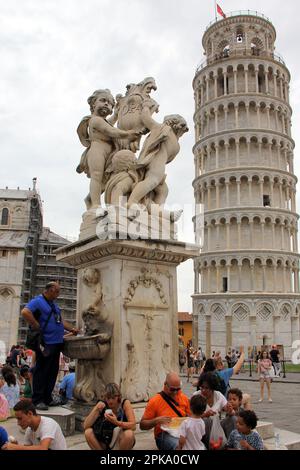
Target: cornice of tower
point(235, 18)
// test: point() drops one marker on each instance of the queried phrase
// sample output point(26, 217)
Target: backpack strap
point(171, 403)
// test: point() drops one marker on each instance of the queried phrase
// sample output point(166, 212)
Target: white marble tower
point(247, 276)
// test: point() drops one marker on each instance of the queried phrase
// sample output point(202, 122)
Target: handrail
point(239, 13)
point(253, 52)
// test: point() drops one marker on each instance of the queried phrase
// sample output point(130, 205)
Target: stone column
point(252, 277)
point(218, 279)
point(236, 109)
point(240, 277)
point(258, 116)
point(275, 85)
point(207, 90)
point(208, 198)
point(238, 185)
point(264, 277)
point(280, 195)
point(250, 191)
point(235, 81)
point(208, 336)
point(267, 82)
point(228, 235)
point(251, 233)
point(272, 192)
point(275, 278)
point(227, 193)
point(216, 120)
point(216, 86)
point(268, 117)
point(239, 234)
point(217, 195)
point(226, 118)
point(246, 82)
point(225, 84)
point(281, 88)
point(228, 279)
point(237, 150)
point(226, 154)
point(247, 116)
point(273, 237)
point(217, 156)
point(261, 183)
point(282, 236)
point(208, 236)
point(256, 82)
point(262, 234)
point(276, 121)
point(218, 236)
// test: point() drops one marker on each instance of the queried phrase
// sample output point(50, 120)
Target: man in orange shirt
point(170, 403)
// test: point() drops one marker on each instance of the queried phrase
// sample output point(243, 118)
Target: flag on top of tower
point(220, 11)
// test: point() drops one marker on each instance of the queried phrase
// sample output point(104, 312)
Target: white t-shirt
point(48, 428)
point(219, 401)
point(193, 429)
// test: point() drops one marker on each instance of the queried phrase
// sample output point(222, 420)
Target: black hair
point(24, 370)
point(237, 392)
point(198, 404)
point(25, 406)
point(210, 379)
point(10, 379)
point(6, 370)
point(249, 418)
point(209, 365)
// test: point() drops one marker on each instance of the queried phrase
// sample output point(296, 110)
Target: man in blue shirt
point(43, 314)
point(67, 384)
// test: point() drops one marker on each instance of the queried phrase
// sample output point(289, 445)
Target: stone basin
point(87, 347)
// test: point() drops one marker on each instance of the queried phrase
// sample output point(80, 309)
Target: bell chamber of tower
point(247, 275)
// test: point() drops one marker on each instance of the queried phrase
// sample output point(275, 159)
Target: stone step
point(265, 429)
point(288, 440)
point(63, 416)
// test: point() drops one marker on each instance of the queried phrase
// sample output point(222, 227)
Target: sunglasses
point(173, 389)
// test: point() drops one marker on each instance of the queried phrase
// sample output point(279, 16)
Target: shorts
point(265, 376)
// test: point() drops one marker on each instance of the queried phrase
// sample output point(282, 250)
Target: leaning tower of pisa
point(247, 274)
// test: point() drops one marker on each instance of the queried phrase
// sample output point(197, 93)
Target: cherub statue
point(160, 147)
point(99, 136)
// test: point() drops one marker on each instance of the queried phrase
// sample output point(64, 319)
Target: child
point(192, 429)
point(234, 406)
point(243, 437)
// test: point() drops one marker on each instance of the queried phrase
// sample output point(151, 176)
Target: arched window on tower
point(4, 216)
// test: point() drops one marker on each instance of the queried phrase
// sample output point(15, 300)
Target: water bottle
point(277, 441)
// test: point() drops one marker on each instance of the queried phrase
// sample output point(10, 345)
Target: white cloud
point(54, 54)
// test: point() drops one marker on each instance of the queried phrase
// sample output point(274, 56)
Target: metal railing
point(253, 52)
point(239, 13)
point(253, 367)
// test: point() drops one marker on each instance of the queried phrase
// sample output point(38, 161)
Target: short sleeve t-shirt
point(193, 429)
point(40, 308)
point(157, 406)
point(253, 439)
point(48, 428)
point(3, 436)
point(226, 374)
point(219, 401)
